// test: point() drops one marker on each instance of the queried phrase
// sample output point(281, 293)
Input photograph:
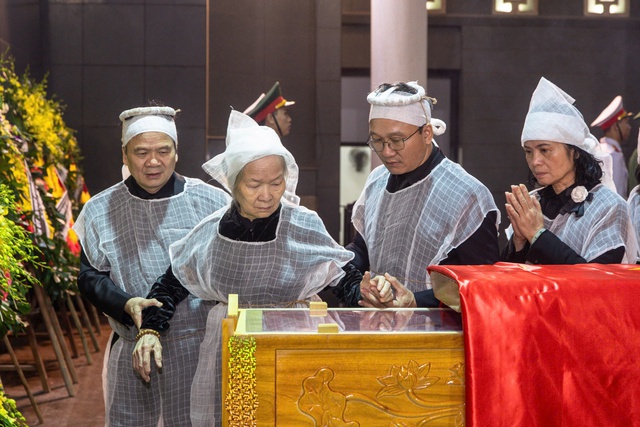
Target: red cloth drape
point(550, 345)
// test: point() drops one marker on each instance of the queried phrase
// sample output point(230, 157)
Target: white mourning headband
point(148, 119)
point(411, 106)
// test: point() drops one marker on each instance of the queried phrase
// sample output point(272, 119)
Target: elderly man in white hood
point(263, 247)
point(574, 215)
point(125, 232)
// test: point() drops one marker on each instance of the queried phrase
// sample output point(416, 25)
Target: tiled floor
point(85, 409)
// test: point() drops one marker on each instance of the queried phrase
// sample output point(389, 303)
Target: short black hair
point(398, 87)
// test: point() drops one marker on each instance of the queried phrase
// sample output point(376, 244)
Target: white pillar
point(398, 44)
point(398, 41)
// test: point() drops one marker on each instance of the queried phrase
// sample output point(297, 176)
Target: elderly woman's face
point(260, 187)
point(552, 163)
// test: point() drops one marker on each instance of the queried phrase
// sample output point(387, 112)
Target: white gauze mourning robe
point(302, 260)
point(634, 210)
point(129, 237)
point(605, 226)
point(418, 226)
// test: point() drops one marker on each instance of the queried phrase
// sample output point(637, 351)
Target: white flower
point(579, 194)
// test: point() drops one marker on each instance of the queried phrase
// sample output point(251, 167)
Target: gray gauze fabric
point(605, 225)
point(302, 260)
point(634, 210)
point(130, 237)
point(418, 226)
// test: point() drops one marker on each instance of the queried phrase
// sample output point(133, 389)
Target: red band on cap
point(270, 108)
point(614, 119)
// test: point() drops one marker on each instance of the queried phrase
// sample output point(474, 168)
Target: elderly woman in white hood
point(573, 216)
point(263, 247)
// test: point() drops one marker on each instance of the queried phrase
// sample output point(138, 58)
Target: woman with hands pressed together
point(573, 216)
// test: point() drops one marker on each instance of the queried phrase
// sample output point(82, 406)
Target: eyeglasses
point(396, 144)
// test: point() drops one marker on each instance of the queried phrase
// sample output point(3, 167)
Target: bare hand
point(525, 214)
point(135, 305)
point(146, 345)
point(403, 296)
point(383, 287)
point(375, 292)
point(518, 239)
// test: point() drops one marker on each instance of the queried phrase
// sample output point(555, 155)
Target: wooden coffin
point(343, 367)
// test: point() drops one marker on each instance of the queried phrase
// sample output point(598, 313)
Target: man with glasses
point(615, 122)
point(418, 208)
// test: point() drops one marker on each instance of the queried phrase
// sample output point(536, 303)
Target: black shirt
point(235, 226)
point(480, 248)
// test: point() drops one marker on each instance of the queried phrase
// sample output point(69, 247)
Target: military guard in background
point(615, 122)
point(272, 110)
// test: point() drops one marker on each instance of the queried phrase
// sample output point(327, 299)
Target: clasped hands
point(147, 344)
point(384, 292)
point(525, 214)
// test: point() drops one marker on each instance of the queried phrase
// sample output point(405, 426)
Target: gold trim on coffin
point(242, 400)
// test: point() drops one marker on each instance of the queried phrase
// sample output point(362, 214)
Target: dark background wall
point(105, 56)
point(499, 60)
point(253, 44)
